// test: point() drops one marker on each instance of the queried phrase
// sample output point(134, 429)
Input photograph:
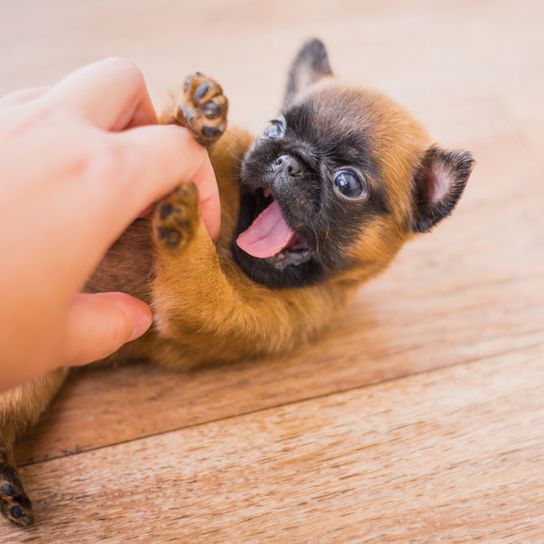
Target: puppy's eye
point(349, 183)
point(275, 130)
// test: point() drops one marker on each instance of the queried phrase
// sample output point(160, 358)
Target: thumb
point(99, 324)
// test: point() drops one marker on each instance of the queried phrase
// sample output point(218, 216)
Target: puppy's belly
point(128, 265)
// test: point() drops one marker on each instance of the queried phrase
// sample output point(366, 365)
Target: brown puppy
point(318, 203)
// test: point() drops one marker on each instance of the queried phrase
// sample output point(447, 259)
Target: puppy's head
point(335, 185)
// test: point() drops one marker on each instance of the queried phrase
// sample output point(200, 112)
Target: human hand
point(78, 162)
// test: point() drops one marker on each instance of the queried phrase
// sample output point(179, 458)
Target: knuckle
point(104, 161)
point(127, 69)
point(112, 160)
point(184, 139)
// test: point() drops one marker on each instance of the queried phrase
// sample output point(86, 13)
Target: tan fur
point(206, 310)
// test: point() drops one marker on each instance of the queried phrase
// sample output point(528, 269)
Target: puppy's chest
point(226, 157)
point(129, 264)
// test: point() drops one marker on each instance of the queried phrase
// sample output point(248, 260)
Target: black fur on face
point(322, 162)
point(295, 162)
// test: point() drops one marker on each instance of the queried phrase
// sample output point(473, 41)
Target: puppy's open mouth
point(269, 236)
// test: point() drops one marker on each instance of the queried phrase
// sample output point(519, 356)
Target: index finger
point(111, 94)
point(22, 96)
point(156, 160)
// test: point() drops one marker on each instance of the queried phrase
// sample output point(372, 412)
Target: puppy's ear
point(310, 65)
point(439, 184)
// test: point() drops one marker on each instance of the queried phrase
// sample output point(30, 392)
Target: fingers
point(160, 158)
point(111, 94)
point(99, 324)
point(23, 96)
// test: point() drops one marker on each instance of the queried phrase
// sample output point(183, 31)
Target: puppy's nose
point(287, 165)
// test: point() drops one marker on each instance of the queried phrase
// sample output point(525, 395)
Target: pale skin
point(78, 163)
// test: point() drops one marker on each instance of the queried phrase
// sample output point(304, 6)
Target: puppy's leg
point(201, 107)
point(176, 221)
point(190, 291)
point(205, 309)
point(20, 408)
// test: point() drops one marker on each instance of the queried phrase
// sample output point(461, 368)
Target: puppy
point(312, 207)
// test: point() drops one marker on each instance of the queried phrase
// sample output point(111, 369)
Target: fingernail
point(143, 322)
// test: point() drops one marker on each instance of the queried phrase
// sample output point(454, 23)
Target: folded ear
point(310, 65)
point(439, 184)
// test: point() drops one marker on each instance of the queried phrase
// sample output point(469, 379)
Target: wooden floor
point(419, 417)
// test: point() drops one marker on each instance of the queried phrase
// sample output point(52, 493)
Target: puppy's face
point(336, 184)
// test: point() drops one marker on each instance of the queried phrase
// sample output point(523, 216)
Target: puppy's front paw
point(176, 219)
point(204, 108)
point(14, 502)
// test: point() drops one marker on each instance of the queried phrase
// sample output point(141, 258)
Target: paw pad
point(14, 503)
point(176, 219)
point(17, 512)
point(204, 108)
point(8, 490)
point(210, 132)
point(170, 238)
point(201, 90)
point(211, 110)
point(165, 210)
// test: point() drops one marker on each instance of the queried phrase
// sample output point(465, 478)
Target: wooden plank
point(471, 289)
point(455, 455)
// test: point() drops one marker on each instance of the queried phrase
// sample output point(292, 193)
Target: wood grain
point(454, 455)
point(417, 417)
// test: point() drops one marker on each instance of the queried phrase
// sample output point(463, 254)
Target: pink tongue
point(267, 235)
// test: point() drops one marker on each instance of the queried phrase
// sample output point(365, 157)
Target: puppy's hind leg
point(20, 408)
point(14, 502)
